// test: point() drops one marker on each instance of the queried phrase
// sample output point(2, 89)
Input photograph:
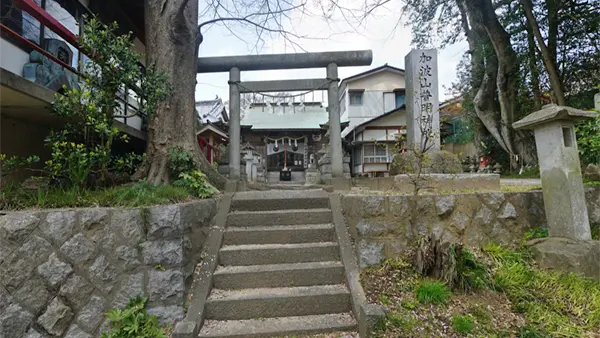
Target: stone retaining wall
point(380, 225)
point(436, 182)
point(61, 270)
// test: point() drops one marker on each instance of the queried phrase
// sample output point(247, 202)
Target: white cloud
point(382, 33)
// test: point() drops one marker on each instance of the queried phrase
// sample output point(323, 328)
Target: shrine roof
point(292, 117)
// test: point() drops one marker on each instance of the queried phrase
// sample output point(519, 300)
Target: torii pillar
point(329, 60)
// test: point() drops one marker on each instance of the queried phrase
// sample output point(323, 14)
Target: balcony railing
point(53, 51)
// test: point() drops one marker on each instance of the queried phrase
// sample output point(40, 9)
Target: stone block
point(398, 205)
point(374, 205)
point(92, 314)
point(14, 321)
point(376, 227)
point(78, 249)
point(104, 236)
point(75, 332)
point(508, 212)
point(163, 285)
point(167, 315)
point(54, 271)
point(127, 257)
point(103, 273)
point(17, 226)
point(57, 317)
point(131, 286)
point(370, 253)
point(32, 295)
point(32, 333)
point(163, 252)
point(6, 249)
point(18, 265)
point(164, 221)
point(59, 226)
point(493, 200)
point(567, 255)
point(483, 216)
point(93, 217)
point(5, 299)
point(197, 214)
point(76, 290)
point(129, 223)
point(460, 221)
point(445, 204)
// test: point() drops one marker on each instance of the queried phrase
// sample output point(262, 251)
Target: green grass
point(538, 232)
point(432, 292)
point(12, 197)
point(563, 305)
point(591, 183)
point(462, 325)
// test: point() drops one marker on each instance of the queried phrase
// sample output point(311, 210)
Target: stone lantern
point(560, 169)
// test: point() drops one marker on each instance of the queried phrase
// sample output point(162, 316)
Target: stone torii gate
point(329, 60)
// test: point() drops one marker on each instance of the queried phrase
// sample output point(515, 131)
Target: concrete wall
point(61, 270)
point(381, 226)
point(12, 58)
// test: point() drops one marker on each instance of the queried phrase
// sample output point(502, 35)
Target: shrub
point(444, 162)
point(187, 175)
point(462, 325)
point(470, 273)
point(588, 140)
point(432, 292)
point(437, 162)
point(133, 322)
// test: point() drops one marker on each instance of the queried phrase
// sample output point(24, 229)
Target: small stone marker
point(560, 170)
point(422, 101)
point(597, 101)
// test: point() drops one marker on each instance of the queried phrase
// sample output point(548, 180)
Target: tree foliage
point(503, 80)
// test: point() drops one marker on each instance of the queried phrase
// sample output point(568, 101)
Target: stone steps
point(279, 269)
point(255, 254)
point(277, 302)
point(280, 200)
point(278, 275)
point(279, 326)
point(279, 217)
point(290, 234)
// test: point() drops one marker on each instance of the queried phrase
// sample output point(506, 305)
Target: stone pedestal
point(560, 169)
point(313, 176)
point(324, 164)
point(422, 101)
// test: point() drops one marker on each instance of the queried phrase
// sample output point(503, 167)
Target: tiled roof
point(285, 117)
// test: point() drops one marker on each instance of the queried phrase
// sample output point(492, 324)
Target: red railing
point(48, 21)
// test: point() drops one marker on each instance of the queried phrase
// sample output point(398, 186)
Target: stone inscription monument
point(422, 101)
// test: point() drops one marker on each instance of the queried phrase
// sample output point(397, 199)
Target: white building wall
point(12, 58)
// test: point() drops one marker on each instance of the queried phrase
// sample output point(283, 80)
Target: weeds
point(462, 325)
point(13, 197)
point(536, 233)
point(561, 304)
point(432, 292)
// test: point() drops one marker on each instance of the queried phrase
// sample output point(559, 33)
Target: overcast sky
point(389, 40)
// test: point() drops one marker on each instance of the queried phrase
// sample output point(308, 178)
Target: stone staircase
point(279, 269)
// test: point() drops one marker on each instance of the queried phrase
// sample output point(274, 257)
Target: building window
point(400, 96)
point(375, 153)
point(356, 98)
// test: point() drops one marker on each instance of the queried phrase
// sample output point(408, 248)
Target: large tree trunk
point(547, 56)
point(499, 72)
point(534, 72)
point(171, 48)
